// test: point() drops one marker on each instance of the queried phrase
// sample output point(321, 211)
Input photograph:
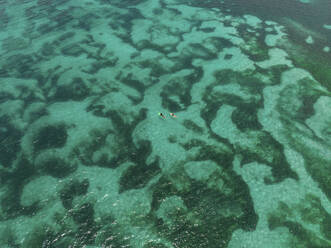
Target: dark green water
point(240, 156)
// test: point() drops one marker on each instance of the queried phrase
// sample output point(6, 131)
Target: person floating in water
point(163, 116)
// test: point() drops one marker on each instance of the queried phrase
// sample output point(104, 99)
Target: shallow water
point(239, 157)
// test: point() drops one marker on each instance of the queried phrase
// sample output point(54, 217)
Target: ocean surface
point(165, 124)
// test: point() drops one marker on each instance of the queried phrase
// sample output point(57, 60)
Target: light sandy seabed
point(87, 162)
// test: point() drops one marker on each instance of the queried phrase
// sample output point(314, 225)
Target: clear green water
point(240, 157)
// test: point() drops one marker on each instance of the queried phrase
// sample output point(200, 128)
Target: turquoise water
point(240, 156)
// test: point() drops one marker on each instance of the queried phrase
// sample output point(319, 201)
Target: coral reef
point(241, 154)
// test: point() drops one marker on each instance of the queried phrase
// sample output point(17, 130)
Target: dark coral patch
point(61, 17)
point(50, 137)
point(110, 235)
point(208, 30)
point(205, 222)
point(72, 50)
point(10, 143)
point(307, 107)
point(196, 50)
point(87, 228)
point(67, 36)
point(137, 176)
point(76, 90)
point(209, 112)
point(84, 214)
point(72, 189)
point(326, 226)
point(302, 236)
point(228, 56)
point(86, 21)
point(10, 202)
point(193, 143)
point(133, 83)
point(220, 43)
point(4, 18)
point(47, 49)
point(46, 28)
point(176, 94)
point(154, 244)
point(269, 151)
point(162, 189)
point(39, 236)
point(192, 126)
point(245, 117)
point(281, 169)
point(21, 64)
point(205, 205)
point(57, 167)
point(219, 156)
